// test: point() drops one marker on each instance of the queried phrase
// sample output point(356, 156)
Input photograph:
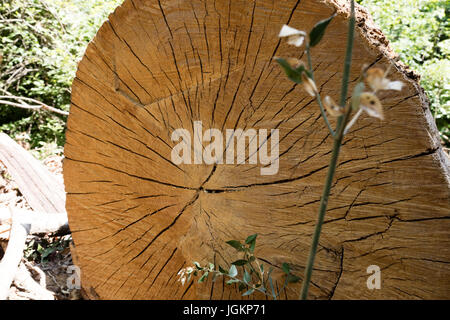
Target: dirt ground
point(45, 255)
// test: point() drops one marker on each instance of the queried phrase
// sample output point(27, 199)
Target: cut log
point(43, 193)
point(137, 217)
point(40, 188)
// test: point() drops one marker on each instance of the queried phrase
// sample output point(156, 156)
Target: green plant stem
point(323, 205)
point(348, 55)
point(322, 210)
point(250, 264)
point(319, 100)
point(342, 120)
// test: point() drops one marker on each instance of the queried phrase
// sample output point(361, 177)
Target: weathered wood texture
point(43, 193)
point(40, 188)
point(137, 218)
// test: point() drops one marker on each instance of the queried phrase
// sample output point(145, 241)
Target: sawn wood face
point(137, 218)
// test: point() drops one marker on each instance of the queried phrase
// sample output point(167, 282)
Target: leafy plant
point(253, 276)
point(419, 31)
point(363, 100)
point(42, 249)
point(41, 43)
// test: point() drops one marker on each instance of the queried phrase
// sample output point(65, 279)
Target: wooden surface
point(137, 218)
point(46, 196)
point(42, 191)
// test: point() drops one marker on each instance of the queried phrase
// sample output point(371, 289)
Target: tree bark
point(137, 218)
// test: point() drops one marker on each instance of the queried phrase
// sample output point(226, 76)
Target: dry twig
point(21, 102)
point(24, 222)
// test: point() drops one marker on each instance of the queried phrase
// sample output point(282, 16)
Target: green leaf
point(240, 262)
point(242, 287)
point(197, 265)
point(231, 281)
point(269, 276)
point(203, 277)
point(236, 244)
point(286, 268)
point(252, 247)
point(261, 289)
point(251, 238)
point(308, 73)
point(233, 271)
point(318, 31)
point(359, 88)
point(292, 279)
point(247, 277)
point(293, 74)
point(249, 292)
point(47, 252)
point(222, 270)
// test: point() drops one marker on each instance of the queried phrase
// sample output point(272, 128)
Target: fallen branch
point(24, 222)
point(37, 222)
point(35, 291)
point(44, 194)
point(15, 73)
point(36, 106)
point(12, 257)
point(37, 270)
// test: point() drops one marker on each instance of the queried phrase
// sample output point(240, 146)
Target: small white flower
point(377, 80)
point(309, 85)
point(371, 105)
point(332, 107)
point(395, 85)
point(294, 37)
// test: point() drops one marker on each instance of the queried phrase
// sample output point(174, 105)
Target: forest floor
point(48, 254)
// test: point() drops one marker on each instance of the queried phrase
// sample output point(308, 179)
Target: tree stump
point(137, 217)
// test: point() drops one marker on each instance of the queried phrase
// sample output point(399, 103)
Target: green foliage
point(41, 43)
point(293, 73)
point(253, 277)
point(419, 31)
point(318, 31)
point(40, 250)
point(38, 129)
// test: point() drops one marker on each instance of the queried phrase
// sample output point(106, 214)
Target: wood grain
point(42, 191)
point(137, 218)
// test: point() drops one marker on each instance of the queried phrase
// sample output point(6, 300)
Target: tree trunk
point(137, 218)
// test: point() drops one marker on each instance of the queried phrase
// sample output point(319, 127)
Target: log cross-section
point(138, 217)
